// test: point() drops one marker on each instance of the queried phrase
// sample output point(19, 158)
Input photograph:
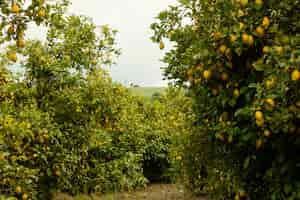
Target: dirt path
point(155, 192)
point(152, 192)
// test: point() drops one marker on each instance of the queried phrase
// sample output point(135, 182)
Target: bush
point(240, 61)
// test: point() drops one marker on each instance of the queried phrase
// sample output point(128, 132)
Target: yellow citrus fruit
point(236, 197)
point(259, 123)
point(94, 61)
point(12, 56)
point(224, 76)
point(242, 25)
point(18, 189)
point(245, 38)
point(242, 194)
point(25, 196)
point(279, 49)
point(42, 13)
point(215, 92)
point(222, 49)
point(236, 92)
point(199, 66)
point(190, 72)
point(241, 13)
point(207, 74)
point(20, 42)
point(259, 115)
point(266, 22)
point(244, 2)
point(217, 35)
point(266, 49)
point(178, 158)
point(57, 173)
point(270, 102)
point(267, 133)
point(259, 2)
point(233, 38)
point(2, 157)
point(228, 53)
point(11, 30)
point(295, 75)
point(250, 40)
point(270, 83)
point(221, 137)
point(161, 45)
point(259, 144)
point(15, 8)
point(260, 31)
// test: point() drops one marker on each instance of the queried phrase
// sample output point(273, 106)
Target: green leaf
point(262, 67)
point(246, 163)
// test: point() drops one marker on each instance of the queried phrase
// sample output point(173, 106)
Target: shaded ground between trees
point(152, 192)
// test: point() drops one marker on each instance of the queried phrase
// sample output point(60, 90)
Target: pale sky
point(139, 62)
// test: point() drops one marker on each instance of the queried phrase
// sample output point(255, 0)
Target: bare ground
point(152, 192)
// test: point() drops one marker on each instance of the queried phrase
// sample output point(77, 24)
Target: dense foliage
point(65, 126)
point(240, 60)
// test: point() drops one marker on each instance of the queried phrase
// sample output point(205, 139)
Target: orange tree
point(240, 60)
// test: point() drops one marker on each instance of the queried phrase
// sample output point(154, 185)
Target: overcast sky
point(139, 62)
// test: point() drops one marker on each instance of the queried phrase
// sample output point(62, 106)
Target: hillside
point(147, 91)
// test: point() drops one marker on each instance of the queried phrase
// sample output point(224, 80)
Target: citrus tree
point(240, 60)
point(66, 127)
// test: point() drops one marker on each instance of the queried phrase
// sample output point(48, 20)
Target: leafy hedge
point(240, 60)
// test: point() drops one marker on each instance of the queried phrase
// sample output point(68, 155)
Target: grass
point(146, 91)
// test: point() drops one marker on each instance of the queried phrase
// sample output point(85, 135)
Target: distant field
point(146, 91)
